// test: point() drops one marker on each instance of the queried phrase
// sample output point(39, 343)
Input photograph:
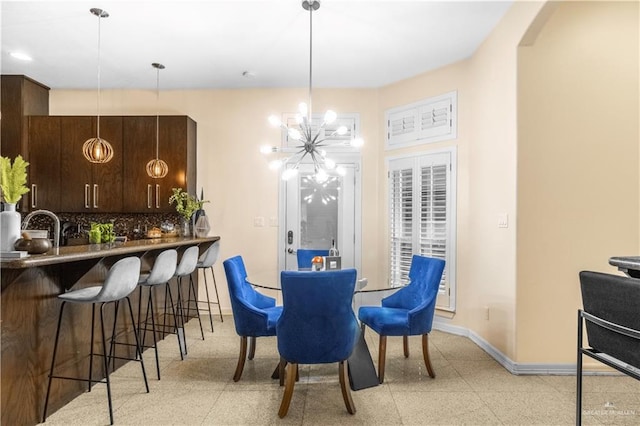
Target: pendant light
point(98, 150)
point(311, 139)
point(157, 168)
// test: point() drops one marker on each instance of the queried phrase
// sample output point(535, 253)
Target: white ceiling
point(209, 44)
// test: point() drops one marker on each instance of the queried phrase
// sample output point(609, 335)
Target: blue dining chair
point(407, 312)
point(317, 326)
point(305, 255)
point(254, 314)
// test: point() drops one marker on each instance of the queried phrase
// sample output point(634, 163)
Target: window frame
point(415, 161)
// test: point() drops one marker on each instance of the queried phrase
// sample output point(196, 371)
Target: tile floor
point(470, 388)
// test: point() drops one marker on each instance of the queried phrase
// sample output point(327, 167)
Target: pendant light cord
point(99, 60)
point(310, 57)
point(157, 110)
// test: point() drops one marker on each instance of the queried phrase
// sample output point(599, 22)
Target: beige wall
point(578, 181)
point(507, 163)
point(232, 125)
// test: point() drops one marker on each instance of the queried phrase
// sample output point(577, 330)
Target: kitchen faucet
point(56, 224)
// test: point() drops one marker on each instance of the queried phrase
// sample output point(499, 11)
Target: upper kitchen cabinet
point(85, 186)
point(21, 96)
point(44, 168)
point(177, 147)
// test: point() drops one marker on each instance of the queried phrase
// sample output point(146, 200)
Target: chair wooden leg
point(241, 358)
point(281, 366)
point(425, 354)
point(346, 391)
point(290, 382)
point(252, 347)
point(382, 353)
point(405, 346)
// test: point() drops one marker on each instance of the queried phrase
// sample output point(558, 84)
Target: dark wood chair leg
point(382, 353)
point(425, 354)
point(405, 346)
point(346, 391)
point(241, 358)
point(290, 382)
point(281, 366)
point(252, 347)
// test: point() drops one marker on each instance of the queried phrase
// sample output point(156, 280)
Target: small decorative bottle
point(333, 251)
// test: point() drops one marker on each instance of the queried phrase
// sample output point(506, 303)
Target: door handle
point(157, 196)
point(290, 237)
point(96, 191)
point(86, 195)
point(291, 251)
point(34, 195)
point(148, 196)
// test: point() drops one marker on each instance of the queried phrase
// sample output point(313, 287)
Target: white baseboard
point(517, 368)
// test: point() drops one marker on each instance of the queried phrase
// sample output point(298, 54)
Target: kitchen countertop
point(630, 265)
point(95, 251)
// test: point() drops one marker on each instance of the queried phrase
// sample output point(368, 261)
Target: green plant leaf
point(13, 179)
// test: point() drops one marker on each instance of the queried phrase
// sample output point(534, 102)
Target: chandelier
point(312, 140)
point(157, 168)
point(98, 150)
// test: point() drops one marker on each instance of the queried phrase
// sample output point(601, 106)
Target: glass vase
point(185, 228)
point(202, 226)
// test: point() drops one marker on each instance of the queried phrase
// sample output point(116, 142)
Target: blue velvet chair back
point(420, 295)
point(247, 304)
point(305, 255)
point(317, 324)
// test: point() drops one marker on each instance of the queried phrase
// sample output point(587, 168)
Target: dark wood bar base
point(29, 313)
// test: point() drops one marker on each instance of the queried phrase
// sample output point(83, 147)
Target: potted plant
point(13, 184)
point(186, 206)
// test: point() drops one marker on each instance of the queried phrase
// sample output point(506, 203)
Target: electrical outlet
point(503, 220)
point(486, 313)
point(273, 221)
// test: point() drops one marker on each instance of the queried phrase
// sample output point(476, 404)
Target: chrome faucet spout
point(56, 223)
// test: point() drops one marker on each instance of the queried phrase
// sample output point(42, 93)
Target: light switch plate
point(258, 221)
point(273, 221)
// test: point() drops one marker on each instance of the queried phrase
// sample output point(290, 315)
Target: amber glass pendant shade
point(157, 168)
point(97, 150)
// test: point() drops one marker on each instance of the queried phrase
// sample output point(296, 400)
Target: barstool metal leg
point(138, 347)
point(105, 364)
point(206, 289)
point(93, 322)
point(175, 322)
point(215, 286)
point(53, 362)
point(153, 330)
point(192, 288)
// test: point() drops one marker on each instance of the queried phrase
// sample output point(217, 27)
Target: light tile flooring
point(470, 388)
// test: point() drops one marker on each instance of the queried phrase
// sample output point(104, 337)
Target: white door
point(315, 214)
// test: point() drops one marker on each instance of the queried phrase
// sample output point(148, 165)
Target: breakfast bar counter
point(29, 309)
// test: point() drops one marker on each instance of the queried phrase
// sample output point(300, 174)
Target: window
point(333, 142)
point(429, 120)
point(422, 217)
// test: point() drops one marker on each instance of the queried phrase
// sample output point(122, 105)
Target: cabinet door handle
point(34, 195)
point(157, 196)
point(96, 191)
point(86, 195)
point(148, 196)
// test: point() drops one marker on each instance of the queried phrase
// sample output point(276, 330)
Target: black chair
point(613, 325)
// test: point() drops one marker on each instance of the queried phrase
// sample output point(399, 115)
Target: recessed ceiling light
point(21, 56)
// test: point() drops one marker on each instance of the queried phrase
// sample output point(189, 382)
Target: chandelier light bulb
point(329, 164)
point(321, 176)
point(341, 171)
point(342, 130)
point(268, 149)
point(357, 142)
point(302, 107)
point(275, 164)
point(289, 173)
point(330, 116)
point(299, 119)
point(295, 134)
point(275, 121)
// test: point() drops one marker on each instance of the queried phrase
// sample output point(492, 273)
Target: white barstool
point(120, 281)
point(185, 268)
point(206, 261)
point(163, 270)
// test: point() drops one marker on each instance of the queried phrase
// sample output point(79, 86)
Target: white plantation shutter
point(422, 217)
point(430, 120)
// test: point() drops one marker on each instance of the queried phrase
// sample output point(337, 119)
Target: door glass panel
point(319, 211)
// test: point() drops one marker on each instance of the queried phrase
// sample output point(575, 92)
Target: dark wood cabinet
point(63, 180)
point(177, 145)
point(88, 187)
point(44, 169)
